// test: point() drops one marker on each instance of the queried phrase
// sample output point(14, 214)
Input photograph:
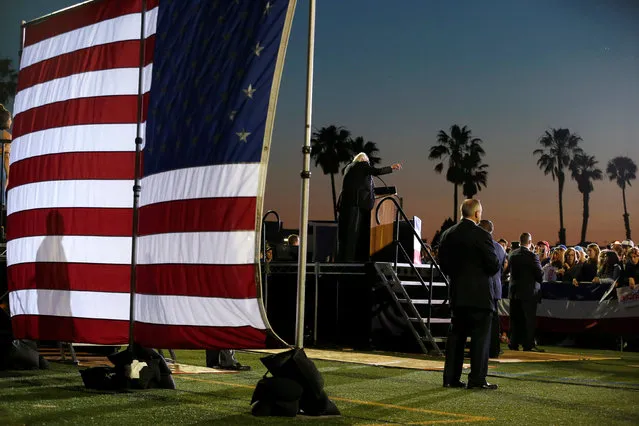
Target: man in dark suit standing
point(467, 256)
point(525, 279)
point(495, 350)
point(356, 202)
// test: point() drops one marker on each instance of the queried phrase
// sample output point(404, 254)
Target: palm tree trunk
point(455, 203)
point(334, 197)
point(626, 216)
point(562, 230)
point(584, 223)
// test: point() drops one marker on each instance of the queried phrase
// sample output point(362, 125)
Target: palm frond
point(623, 170)
point(330, 148)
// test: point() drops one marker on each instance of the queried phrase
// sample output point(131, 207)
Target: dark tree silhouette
point(358, 145)
point(623, 170)
point(459, 149)
point(438, 235)
point(8, 80)
point(330, 149)
point(475, 173)
point(559, 146)
point(584, 171)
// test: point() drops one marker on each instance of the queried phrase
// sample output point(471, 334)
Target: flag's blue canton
point(212, 73)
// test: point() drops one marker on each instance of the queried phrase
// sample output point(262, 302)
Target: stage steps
point(437, 307)
point(434, 310)
point(423, 310)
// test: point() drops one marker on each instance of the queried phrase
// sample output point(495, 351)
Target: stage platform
point(347, 304)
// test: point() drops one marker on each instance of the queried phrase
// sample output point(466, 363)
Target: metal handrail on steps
point(398, 245)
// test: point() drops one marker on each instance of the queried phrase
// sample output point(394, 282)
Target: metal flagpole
point(306, 181)
point(136, 184)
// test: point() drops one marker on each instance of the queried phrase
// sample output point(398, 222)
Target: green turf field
point(604, 392)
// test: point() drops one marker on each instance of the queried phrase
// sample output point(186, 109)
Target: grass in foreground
point(575, 392)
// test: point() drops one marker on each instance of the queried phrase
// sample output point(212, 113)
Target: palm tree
point(357, 145)
point(475, 173)
point(454, 147)
point(623, 170)
point(584, 171)
point(558, 148)
point(330, 149)
point(8, 81)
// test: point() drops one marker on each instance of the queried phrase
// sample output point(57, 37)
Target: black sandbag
point(100, 378)
point(276, 396)
point(43, 364)
point(121, 359)
point(30, 344)
point(145, 354)
point(22, 357)
point(277, 389)
point(6, 333)
point(318, 406)
point(275, 408)
point(274, 363)
point(295, 365)
point(167, 382)
point(149, 375)
point(152, 358)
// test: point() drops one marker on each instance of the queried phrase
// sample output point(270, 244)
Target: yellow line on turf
point(463, 418)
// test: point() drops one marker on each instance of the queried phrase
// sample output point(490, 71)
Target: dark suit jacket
point(467, 256)
point(496, 279)
point(525, 274)
point(357, 188)
point(630, 270)
point(587, 272)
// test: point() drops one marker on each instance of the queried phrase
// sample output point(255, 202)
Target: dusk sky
point(398, 72)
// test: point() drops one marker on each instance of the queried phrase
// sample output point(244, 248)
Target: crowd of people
point(477, 265)
point(616, 263)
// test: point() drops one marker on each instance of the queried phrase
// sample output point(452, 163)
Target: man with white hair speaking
point(356, 201)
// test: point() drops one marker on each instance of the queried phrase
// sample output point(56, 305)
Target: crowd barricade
point(588, 307)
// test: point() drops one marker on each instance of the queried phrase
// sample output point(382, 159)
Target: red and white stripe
point(196, 259)
point(73, 157)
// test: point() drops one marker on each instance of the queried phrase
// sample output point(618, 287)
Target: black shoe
point(237, 367)
point(457, 384)
point(534, 349)
point(485, 386)
point(234, 367)
point(513, 347)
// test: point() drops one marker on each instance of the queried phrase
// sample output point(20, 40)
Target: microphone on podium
point(386, 190)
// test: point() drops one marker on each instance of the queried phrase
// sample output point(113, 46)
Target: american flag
point(210, 81)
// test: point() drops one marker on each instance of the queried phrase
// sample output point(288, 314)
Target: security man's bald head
point(471, 209)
